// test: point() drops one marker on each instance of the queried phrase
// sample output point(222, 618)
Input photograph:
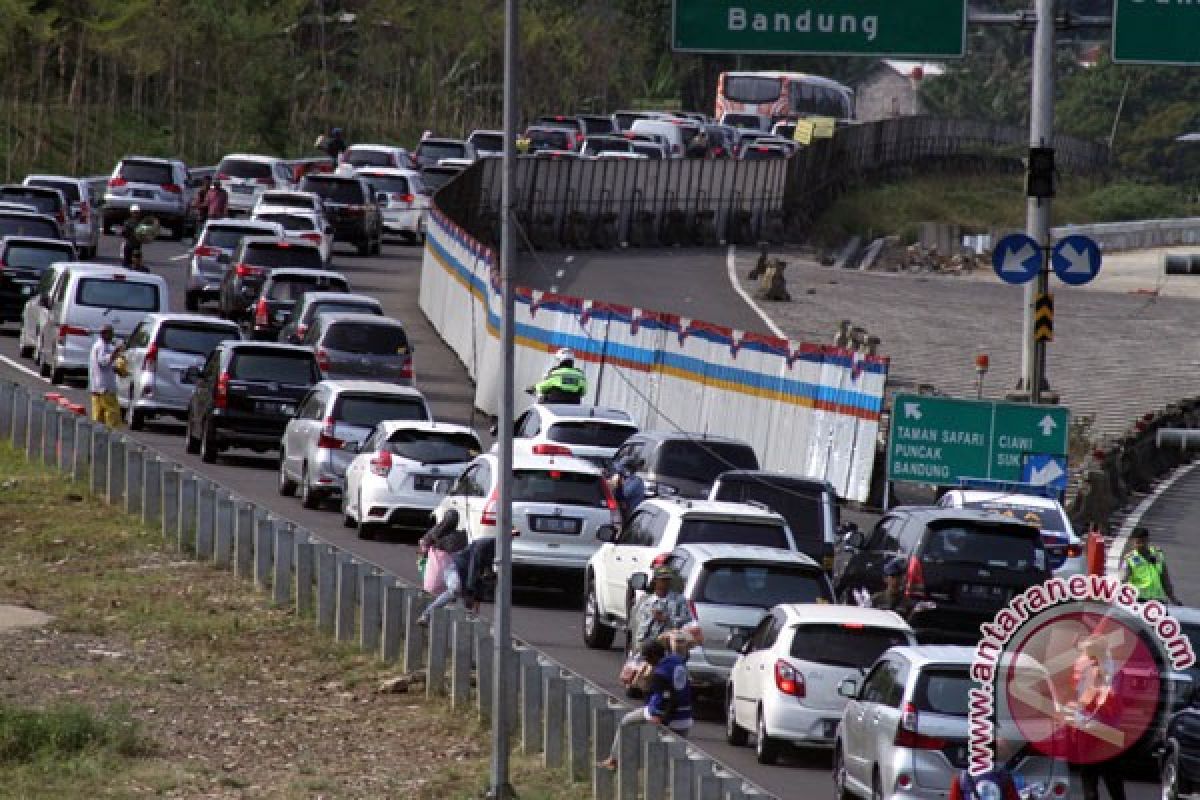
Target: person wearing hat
point(663, 609)
point(891, 597)
point(102, 378)
point(627, 486)
point(1145, 568)
point(563, 382)
point(131, 245)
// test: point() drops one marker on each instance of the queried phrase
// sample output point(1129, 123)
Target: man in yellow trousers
point(102, 379)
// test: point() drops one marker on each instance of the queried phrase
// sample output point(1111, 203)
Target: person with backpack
point(627, 486)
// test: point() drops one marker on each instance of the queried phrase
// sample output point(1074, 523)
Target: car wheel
point(596, 634)
point(347, 520)
point(364, 247)
point(137, 419)
point(766, 748)
point(208, 445)
point(57, 375)
point(309, 497)
point(287, 486)
point(192, 444)
point(876, 786)
point(840, 791)
point(26, 350)
point(735, 734)
point(42, 364)
point(191, 302)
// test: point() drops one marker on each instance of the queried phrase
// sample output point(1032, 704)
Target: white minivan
point(668, 129)
point(84, 301)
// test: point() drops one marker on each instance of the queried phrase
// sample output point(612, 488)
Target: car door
point(135, 357)
point(748, 687)
point(201, 402)
point(622, 558)
point(860, 720)
point(354, 472)
point(864, 568)
point(298, 432)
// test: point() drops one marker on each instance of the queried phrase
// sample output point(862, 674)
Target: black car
point(245, 394)
point(23, 259)
point(46, 200)
point(352, 207)
point(280, 292)
point(963, 566)
point(1179, 757)
point(252, 260)
point(684, 464)
point(810, 506)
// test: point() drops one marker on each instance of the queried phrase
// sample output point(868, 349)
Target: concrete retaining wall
point(1140, 235)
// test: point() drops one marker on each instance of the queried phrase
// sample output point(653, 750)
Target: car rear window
point(703, 461)
point(597, 125)
point(558, 486)
point(849, 644)
point(122, 295)
point(230, 238)
point(336, 191)
point(392, 184)
point(760, 585)
point(550, 140)
point(290, 288)
point(695, 530)
point(290, 222)
point(145, 172)
point(560, 121)
point(366, 339)
point(1047, 519)
point(296, 369)
point(283, 255)
point(44, 201)
point(370, 158)
point(434, 447)
point(293, 199)
point(943, 690)
point(69, 189)
point(799, 507)
point(343, 308)
point(25, 225)
point(994, 546)
point(36, 256)
point(242, 168)
point(436, 151)
point(194, 338)
point(369, 410)
point(492, 142)
point(590, 434)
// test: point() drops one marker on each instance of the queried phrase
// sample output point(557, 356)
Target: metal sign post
point(1037, 212)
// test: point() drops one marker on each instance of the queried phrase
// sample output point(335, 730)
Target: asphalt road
point(689, 282)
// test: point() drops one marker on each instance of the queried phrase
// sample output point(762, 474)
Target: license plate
point(979, 593)
point(142, 193)
point(281, 316)
point(424, 483)
point(555, 524)
point(242, 189)
point(267, 407)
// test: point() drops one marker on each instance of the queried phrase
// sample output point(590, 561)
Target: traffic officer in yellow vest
point(563, 382)
point(1146, 569)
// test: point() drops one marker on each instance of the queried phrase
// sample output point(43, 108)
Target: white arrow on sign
point(1047, 424)
point(1014, 260)
point(912, 411)
point(1047, 474)
point(1078, 262)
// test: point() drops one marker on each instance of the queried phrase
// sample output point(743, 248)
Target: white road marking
point(22, 368)
point(731, 266)
point(181, 257)
point(1112, 559)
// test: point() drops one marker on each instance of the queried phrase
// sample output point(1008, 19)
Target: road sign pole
point(1037, 213)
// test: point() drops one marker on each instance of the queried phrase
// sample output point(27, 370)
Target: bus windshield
point(783, 95)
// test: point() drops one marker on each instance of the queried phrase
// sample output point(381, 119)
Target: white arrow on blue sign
point(1017, 258)
point(1076, 259)
point(1045, 470)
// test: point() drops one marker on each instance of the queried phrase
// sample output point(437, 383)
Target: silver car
point(84, 209)
point(158, 186)
point(314, 303)
point(159, 352)
point(214, 251)
point(330, 425)
point(360, 346)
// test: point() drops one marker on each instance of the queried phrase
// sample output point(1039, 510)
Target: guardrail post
point(604, 728)
point(654, 756)
point(347, 596)
point(414, 634)
point(306, 568)
point(116, 469)
point(327, 569)
point(264, 548)
point(680, 769)
point(243, 542)
point(370, 617)
point(206, 518)
point(189, 497)
point(135, 477)
point(281, 580)
point(169, 490)
point(440, 622)
point(66, 442)
point(461, 661)
point(152, 488)
point(82, 455)
point(98, 464)
point(629, 758)
point(33, 430)
point(705, 783)
point(580, 704)
point(7, 389)
point(394, 605)
point(51, 414)
point(554, 715)
point(533, 722)
point(224, 528)
point(20, 417)
point(484, 656)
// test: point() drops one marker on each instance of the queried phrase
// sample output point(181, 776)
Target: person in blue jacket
point(670, 698)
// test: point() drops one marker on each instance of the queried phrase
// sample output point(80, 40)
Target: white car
point(784, 685)
point(301, 226)
point(360, 156)
point(288, 198)
point(407, 200)
point(84, 205)
point(245, 176)
point(559, 506)
point(592, 433)
point(1064, 549)
point(402, 471)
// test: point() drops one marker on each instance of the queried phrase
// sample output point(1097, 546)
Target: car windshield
point(994, 546)
point(590, 434)
point(290, 222)
point(283, 255)
point(43, 201)
point(241, 168)
point(391, 184)
point(702, 461)
point(145, 172)
point(27, 225)
point(491, 142)
point(120, 295)
point(760, 585)
point(436, 151)
point(69, 189)
point(290, 288)
point(228, 238)
point(698, 530)
point(336, 191)
point(1047, 519)
point(550, 139)
point(366, 339)
point(342, 308)
point(368, 410)
point(849, 644)
point(745, 121)
point(434, 447)
point(195, 339)
point(559, 487)
point(36, 256)
point(370, 158)
point(597, 125)
point(799, 506)
point(943, 690)
point(296, 369)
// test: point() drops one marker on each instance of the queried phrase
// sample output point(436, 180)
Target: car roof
point(693, 507)
point(841, 614)
point(568, 411)
point(390, 426)
point(746, 552)
point(441, 140)
point(374, 387)
point(670, 436)
point(981, 496)
point(389, 147)
point(245, 343)
point(63, 178)
point(390, 172)
point(487, 131)
point(302, 272)
point(931, 654)
point(351, 316)
point(252, 157)
point(778, 478)
point(151, 159)
point(180, 316)
point(532, 461)
point(311, 298)
point(116, 270)
point(58, 243)
point(241, 222)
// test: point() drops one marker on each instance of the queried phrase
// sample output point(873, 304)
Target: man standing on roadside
point(216, 200)
point(102, 379)
point(1146, 570)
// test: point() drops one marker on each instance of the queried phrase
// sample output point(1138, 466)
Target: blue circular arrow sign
point(1017, 258)
point(1076, 259)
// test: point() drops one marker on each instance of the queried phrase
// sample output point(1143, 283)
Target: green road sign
point(941, 440)
point(1156, 32)
point(913, 28)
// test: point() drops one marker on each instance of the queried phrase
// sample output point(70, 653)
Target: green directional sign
point(1156, 32)
point(906, 28)
point(940, 440)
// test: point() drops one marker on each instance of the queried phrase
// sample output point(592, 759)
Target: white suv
point(1064, 549)
point(592, 433)
point(657, 527)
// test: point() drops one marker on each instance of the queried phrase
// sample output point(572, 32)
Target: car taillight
point(406, 370)
point(322, 360)
point(221, 396)
point(150, 362)
point(327, 441)
point(70, 330)
point(914, 580)
point(488, 517)
point(172, 188)
point(403, 198)
point(260, 313)
point(907, 736)
point(245, 270)
point(381, 464)
point(659, 560)
point(204, 251)
point(544, 449)
point(117, 182)
point(315, 238)
point(614, 511)
point(788, 679)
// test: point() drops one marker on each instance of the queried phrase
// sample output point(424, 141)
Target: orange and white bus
point(783, 95)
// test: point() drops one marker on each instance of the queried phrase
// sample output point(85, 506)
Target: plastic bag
point(435, 569)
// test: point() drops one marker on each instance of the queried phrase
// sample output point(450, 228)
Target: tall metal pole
point(500, 788)
point(1037, 213)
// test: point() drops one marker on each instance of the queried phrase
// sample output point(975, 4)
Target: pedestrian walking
point(670, 700)
point(102, 378)
point(200, 203)
point(466, 577)
point(216, 201)
point(1146, 569)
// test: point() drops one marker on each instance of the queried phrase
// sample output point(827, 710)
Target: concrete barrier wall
point(1139, 235)
point(809, 409)
point(556, 713)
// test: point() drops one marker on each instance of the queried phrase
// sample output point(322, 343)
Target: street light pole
point(1037, 211)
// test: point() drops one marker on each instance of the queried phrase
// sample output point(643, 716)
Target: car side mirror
point(606, 533)
point(191, 374)
point(737, 642)
point(854, 540)
point(848, 688)
point(639, 582)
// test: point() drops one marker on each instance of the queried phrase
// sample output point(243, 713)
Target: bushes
point(1131, 201)
point(64, 731)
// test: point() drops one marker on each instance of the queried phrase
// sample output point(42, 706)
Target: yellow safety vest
point(1146, 575)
